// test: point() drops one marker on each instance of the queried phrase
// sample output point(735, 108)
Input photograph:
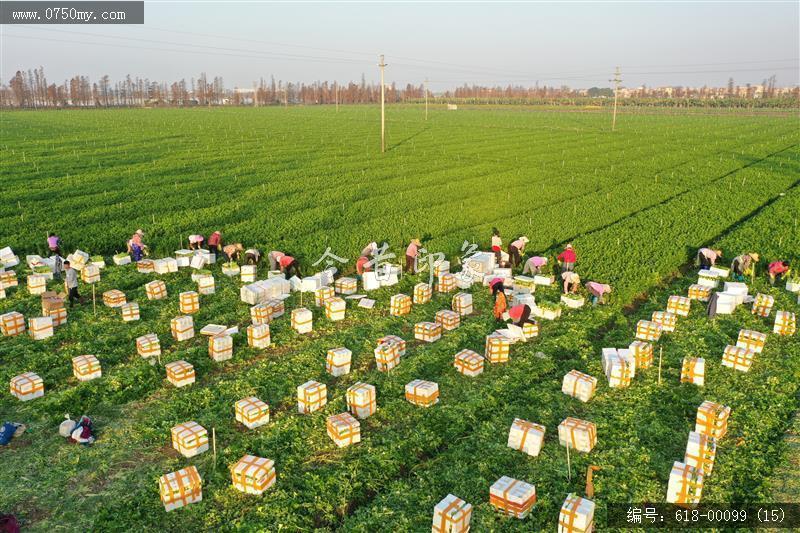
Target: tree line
point(31, 89)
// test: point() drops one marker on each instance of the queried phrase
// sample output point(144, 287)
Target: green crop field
point(636, 203)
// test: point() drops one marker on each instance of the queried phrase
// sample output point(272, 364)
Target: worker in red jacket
point(778, 270)
point(567, 259)
point(289, 264)
point(215, 242)
point(363, 265)
point(521, 315)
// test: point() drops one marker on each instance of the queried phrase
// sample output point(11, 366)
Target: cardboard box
point(8, 279)
point(785, 323)
point(90, 274)
point(548, 312)
point(343, 429)
point(751, 340)
point(114, 298)
point(449, 320)
point(311, 396)
point(230, 269)
point(481, 262)
point(335, 309)
point(427, 331)
point(422, 393)
point(524, 284)
point(469, 363)
point(130, 312)
point(726, 303)
point(40, 328)
point(577, 434)
point(189, 302)
point(37, 283)
point(122, 259)
point(619, 369)
point(446, 283)
point(707, 279)
point(712, 419)
point(145, 266)
point(148, 345)
point(346, 286)
point(302, 320)
point(180, 488)
point(699, 292)
point(387, 356)
point(498, 348)
point(526, 437)
point(572, 301)
point(441, 266)
point(370, 282)
point(451, 515)
point(248, 273)
point(337, 361)
point(737, 358)
point(530, 330)
point(666, 320)
point(277, 306)
point(362, 399)
point(576, 515)
point(253, 475)
point(251, 412)
point(12, 323)
point(27, 386)
point(189, 439)
point(422, 293)
point(258, 336)
point(180, 373)
point(648, 331)
point(220, 348)
point(182, 328)
point(642, 353)
point(693, 370)
point(762, 305)
point(206, 284)
point(156, 290)
point(322, 295)
point(679, 305)
point(399, 305)
point(59, 315)
point(261, 314)
point(462, 303)
point(579, 385)
point(685, 486)
point(512, 497)
point(701, 450)
point(401, 344)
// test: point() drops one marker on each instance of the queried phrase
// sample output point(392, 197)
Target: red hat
point(495, 281)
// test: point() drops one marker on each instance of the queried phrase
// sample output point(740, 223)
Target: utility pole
point(616, 81)
point(286, 95)
point(383, 111)
point(255, 95)
point(336, 87)
point(426, 98)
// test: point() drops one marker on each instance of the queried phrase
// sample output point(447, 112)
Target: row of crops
point(409, 457)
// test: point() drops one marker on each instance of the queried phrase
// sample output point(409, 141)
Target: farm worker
point(58, 266)
point(215, 242)
point(598, 291)
point(54, 243)
point(370, 249)
point(571, 282)
point(497, 245)
point(363, 265)
point(778, 270)
point(567, 258)
point(71, 284)
point(232, 251)
point(534, 265)
point(500, 300)
point(9, 430)
point(411, 255)
point(196, 242)
point(520, 315)
point(743, 265)
point(708, 257)
point(274, 259)
point(135, 245)
point(289, 264)
point(515, 250)
point(252, 256)
point(82, 434)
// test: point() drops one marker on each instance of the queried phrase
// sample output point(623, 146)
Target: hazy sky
point(676, 43)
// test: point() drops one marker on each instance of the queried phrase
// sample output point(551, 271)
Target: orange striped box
point(577, 434)
point(497, 348)
point(648, 331)
point(311, 396)
point(462, 303)
point(337, 361)
point(302, 320)
point(449, 320)
point(182, 328)
point(114, 298)
point(427, 331)
point(253, 475)
point(468, 363)
point(362, 399)
point(737, 358)
point(451, 515)
point(642, 353)
point(512, 497)
point(220, 347)
point(785, 323)
point(189, 302)
point(343, 429)
point(189, 439)
point(693, 370)
point(701, 450)
point(422, 393)
point(576, 515)
point(685, 486)
point(27, 386)
point(446, 283)
point(335, 308)
point(345, 286)
point(666, 320)
point(387, 356)
point(40, 328)
point(130, 311)
point(401, 344)
point(251, 412)
point(679, 305)
point(762, 305)
point(155, 290)
point(86, 367)
point(526, 437)
point(180, 488)
point(712, 419)
point(399, 305)
point(148, 345)
point(258, 336)
point(180, 373)
point(752, 340)
point(422, 293)
point(579, 385)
